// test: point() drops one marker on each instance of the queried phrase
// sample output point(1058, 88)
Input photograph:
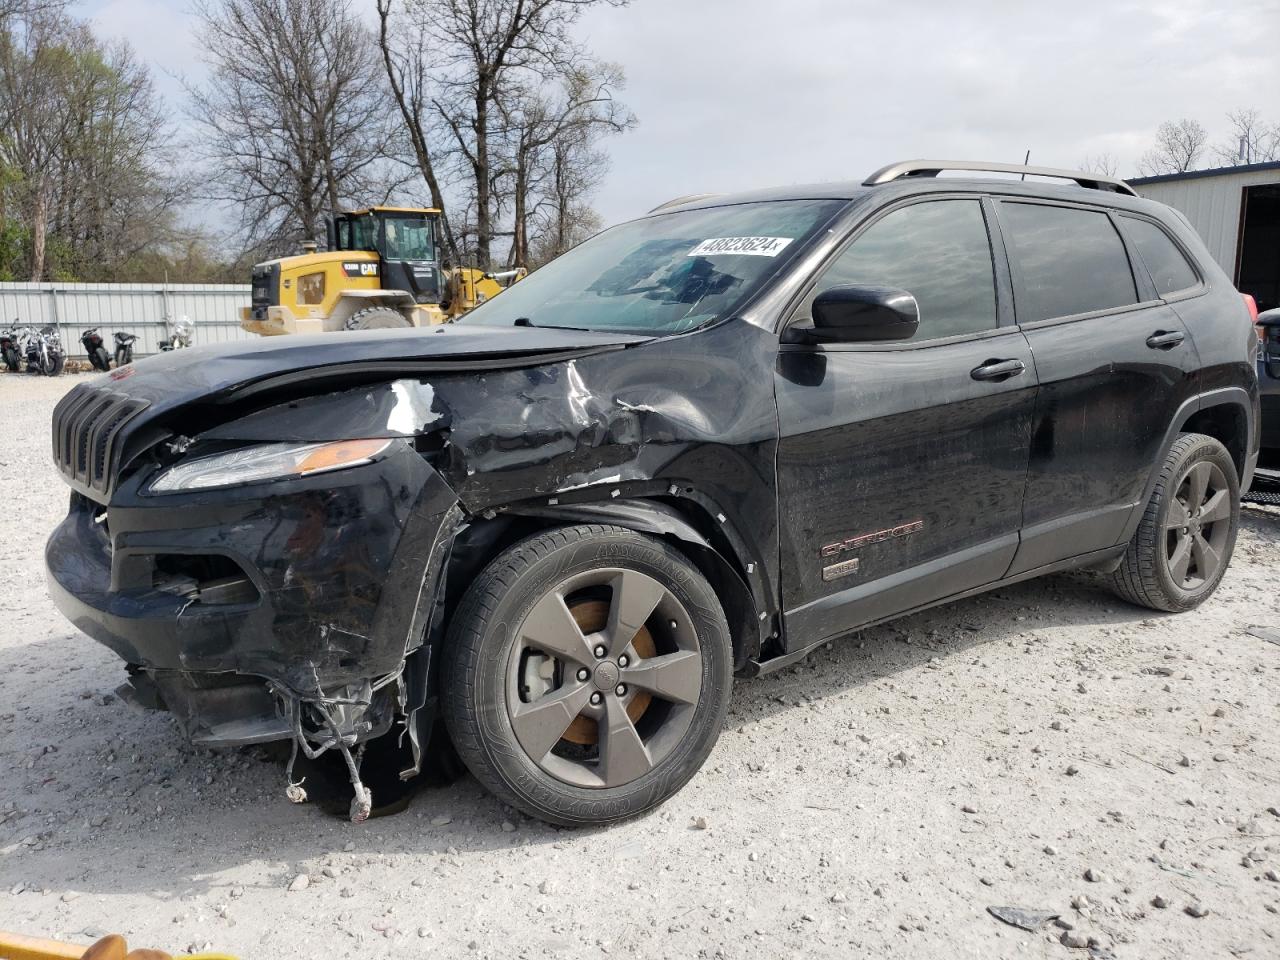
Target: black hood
point(229, 372)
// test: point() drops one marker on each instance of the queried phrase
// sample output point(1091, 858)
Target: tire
point(54, 367)
point(12, 361)
point(101, 359)
point(663, 687)
point(376, 318)
point(124, 355)
point(1182, 547)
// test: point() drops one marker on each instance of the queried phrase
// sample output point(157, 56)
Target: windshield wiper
point(526, 322)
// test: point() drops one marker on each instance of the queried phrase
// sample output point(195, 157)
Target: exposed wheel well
point(1228, 424)
point(484, 539)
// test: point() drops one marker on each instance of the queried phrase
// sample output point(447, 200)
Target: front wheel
point(12, 361)
point(101, 359)
point(53, 364)
point(586, 674)
point(124, 355)
point(1184, 542)
point(376, 318)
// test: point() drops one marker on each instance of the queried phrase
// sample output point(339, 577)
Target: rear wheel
point(376, 318)
point(587, 674)
point(1184, 542)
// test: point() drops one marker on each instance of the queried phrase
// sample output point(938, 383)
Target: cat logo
point(359, 269)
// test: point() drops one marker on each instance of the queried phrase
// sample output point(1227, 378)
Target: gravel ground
point(1044, 746)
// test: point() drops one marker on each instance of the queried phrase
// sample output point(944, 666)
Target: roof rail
point(931, 168)
point(679, 200)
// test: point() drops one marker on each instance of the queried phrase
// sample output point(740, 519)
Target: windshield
point(663, 274)
point(409, 238)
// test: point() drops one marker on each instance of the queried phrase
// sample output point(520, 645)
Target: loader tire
point(376, 318)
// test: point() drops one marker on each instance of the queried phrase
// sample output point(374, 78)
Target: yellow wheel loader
point(382, 269)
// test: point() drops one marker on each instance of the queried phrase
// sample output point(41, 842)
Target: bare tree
point(485, 50)
point(1252, 140)
point(563, 217)
point(292, 119)
point(84, 146)
point(1179, 146)
point(86, 156)
point(36, 63)
point(1103, 163)
point(117, 192)
point(25, 10)
point(404, 48)
point(544, 136)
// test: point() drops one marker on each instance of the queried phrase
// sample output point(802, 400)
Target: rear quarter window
point(1169, 269)
point(1069, 261)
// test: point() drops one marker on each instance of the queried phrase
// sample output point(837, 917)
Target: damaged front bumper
point(268, 611)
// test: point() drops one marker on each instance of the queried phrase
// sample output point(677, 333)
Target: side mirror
point(858, 313)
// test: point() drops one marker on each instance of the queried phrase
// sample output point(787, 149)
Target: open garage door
point(1258, 260)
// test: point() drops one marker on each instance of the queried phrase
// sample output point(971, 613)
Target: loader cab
point(406, 241)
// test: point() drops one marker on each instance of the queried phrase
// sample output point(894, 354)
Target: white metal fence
point(147, 310)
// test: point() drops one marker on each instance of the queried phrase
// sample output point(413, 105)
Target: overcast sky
point(735, 94)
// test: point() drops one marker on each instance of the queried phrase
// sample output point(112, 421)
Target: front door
point(408, 256)
point(901, 466)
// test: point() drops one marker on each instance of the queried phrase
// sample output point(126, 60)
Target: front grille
point(86, 425)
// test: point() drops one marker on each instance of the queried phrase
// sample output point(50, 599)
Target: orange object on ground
point(15, 946)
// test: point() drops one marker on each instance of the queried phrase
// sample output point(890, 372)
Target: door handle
point(998, 370)
point(1165, 339)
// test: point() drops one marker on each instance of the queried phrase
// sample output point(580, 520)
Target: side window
point(1165, 262)
point(1071, 261)
point(938, 251)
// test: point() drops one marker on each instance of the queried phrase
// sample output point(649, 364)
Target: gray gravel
point(872, 801)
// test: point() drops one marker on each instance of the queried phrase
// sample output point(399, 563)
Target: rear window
point(1070, 261)
point(1168, 267)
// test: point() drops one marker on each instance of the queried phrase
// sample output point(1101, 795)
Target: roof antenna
point(1026, 162)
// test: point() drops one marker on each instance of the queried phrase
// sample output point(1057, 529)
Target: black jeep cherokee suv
point(698, 445)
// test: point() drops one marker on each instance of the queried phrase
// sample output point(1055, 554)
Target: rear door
point(901, 466)
point(1114, 362)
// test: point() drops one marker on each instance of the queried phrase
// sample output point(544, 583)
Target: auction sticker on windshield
point(740, 246)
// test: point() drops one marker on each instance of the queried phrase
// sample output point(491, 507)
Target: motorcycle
point(98, 355)
point(43, 350)
point(124, 348)
point(9, 349)
point(182, 334)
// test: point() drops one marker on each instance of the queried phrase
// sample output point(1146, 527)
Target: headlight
point(311, 288)
point(269, 461)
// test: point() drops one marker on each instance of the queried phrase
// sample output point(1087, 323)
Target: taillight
point(1251, 305)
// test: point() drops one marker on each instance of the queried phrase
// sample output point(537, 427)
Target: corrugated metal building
point(1236, 210)
point(147, 310)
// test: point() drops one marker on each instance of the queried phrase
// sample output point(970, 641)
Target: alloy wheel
point(1198, 525)
point(604, 678)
